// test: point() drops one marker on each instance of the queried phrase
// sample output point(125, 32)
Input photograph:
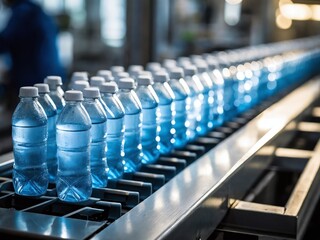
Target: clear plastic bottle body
point(196, 104)
point(165, 116)
point(115, 138)
point(74, 182)
point(206, 121)
point(132, 133)
point(98, 161)
point(181, 106)
point(149, 142)
point(51, 112)
point(57, 97)
point(218, 96)
point(29, 134)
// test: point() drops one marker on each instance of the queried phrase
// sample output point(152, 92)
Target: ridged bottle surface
point(74, 183)
point(29, 134)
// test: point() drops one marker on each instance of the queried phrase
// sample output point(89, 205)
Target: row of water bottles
point(113, 122)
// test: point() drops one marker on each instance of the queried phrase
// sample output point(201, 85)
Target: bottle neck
point(28, 99)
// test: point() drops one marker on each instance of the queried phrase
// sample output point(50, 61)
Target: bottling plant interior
point(160, 119)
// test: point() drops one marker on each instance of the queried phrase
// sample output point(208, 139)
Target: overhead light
point(315, 12)
point(234, 1)
point(296, 11)
point(283, 22)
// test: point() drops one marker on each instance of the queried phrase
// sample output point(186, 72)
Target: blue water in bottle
point(132, 123)
point(165, 112)
point(98, 162)
point(149, 102)
point(74, 183)
point(207, 116)
point(181, 105)
point(115, 130)
point(51, 112)
point(218, 93)
point(29, 135)
point(56, 92)
point(196, 101)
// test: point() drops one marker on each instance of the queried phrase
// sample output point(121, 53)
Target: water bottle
point(181, 103)
point(149, 102)
point(196, 102)
point(98, 131)
point(29, 135)
point(115, 130)
point(205, 122)
point(74, 182)
point(165, 112)
point(56, 92)
point(132, 123)
point(51, 111)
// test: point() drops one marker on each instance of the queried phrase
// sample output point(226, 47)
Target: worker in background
point(30, 39)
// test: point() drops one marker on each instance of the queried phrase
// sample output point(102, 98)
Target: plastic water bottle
point(51, 111)
point(29, 134)
point(205, 122)
point(98, 130)
point(165, 112)
point(181, 103)
point(56, 92)
point(196, 101)
point(132, 123)
point(149, 102)
point(115, 130)
point(74, 182)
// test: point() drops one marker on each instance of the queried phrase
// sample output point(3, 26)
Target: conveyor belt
point(185, 195)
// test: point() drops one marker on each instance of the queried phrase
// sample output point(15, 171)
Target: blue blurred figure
point(30, 39)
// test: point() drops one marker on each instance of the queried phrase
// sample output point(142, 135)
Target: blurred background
point(96, 34)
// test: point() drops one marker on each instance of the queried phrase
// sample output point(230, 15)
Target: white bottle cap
point(105, 74)
point(161, 77)
point(91, 92)
point(96, 81)
point(42, 87)
point(190, 70)
point(144, 80)
point(176, 73)
point(79, 76)
point(80, 85)
point(109, 87)
point(73, 95)
point(120, 75)
point(28, 92)
point(135, 68)
point(53, 80)
point(115, 69)
point(153, 66)
point(126, 83)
